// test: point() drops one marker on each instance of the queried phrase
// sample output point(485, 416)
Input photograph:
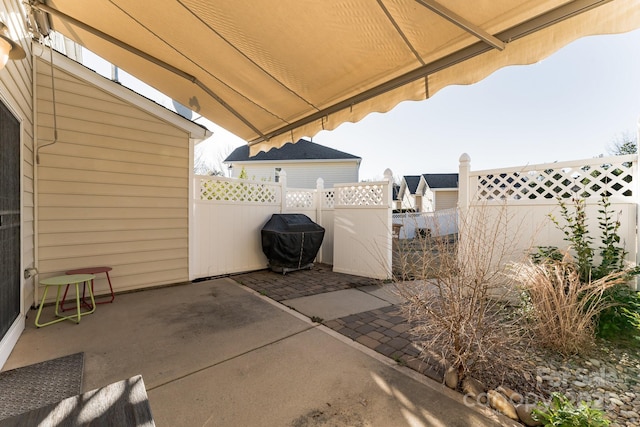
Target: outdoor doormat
point(34, 386)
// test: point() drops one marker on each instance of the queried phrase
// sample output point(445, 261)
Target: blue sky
point(572, 105)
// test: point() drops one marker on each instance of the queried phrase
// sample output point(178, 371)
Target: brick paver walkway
point(320, 279)
point(387, 332)
point(383, 330)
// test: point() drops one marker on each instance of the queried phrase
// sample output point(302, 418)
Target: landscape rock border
point(608, 379)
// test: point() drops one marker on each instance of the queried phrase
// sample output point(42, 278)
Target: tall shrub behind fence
point(530, 194)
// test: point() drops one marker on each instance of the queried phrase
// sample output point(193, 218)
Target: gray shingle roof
point(434, 180)
point(301, 150)
point(412, 183)
point(441, 180)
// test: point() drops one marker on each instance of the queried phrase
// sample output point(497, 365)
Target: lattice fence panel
point(588, 181)
point(362, 195)
point(240, 191)
point(328, 199)
point(300, 199)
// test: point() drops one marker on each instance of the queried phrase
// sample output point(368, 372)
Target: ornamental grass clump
point(561, 309)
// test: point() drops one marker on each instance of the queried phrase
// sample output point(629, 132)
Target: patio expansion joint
point(187, 375)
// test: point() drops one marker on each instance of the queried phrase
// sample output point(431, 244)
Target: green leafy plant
point(623, 304)
point(563, 413)
point(612, 254)
point(546, 254)
point(623, 317)
point(577, 234)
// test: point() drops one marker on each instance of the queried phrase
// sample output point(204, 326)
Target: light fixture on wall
point(8, 48)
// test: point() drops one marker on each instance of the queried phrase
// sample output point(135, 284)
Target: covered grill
point(291, 241)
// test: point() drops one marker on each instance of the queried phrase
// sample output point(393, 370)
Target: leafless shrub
point(560, 309)
point(457, 289)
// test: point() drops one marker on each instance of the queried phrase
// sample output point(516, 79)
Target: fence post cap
point(465, 158)
point(388, 174)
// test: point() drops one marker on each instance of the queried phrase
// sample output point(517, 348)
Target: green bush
point(562, 413)
point(623, 315)
point(577, 234)
point(546, 254)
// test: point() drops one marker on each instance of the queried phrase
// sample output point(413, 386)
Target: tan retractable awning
point(272, 71)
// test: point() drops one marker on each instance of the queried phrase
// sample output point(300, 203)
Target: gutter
point(293, 161)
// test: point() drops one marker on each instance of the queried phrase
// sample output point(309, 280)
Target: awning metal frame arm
point(461, 22)
point(96, 32)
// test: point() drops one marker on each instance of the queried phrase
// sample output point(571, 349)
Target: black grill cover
point(291, 241)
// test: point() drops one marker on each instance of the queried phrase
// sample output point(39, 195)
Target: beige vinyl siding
point(304, 174)
point(16, 91)
point(113, 190)
point(408, 200)
point(446, 199)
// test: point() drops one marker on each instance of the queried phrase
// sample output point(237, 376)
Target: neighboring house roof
point(441, 180)
point(301, 150)
point(415, 184)
point(412, 183)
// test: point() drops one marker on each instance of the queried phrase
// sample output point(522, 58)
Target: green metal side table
point(59, 282)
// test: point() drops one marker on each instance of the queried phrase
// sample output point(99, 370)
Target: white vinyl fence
point(227, 217)
point(362, 233)
point(531, 193)
point(228, 214)
point(318, 205)
point(438, 223)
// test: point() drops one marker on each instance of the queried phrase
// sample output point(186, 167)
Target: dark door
point(9, 219)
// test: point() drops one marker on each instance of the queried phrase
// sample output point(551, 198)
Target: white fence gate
point(530, 194)
point(362, 233)
point(228, 214)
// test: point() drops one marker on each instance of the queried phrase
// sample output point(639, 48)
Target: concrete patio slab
point(161, 334)
point(333, 305)
point(310, 379)
point(217, 353)
point(385, 292)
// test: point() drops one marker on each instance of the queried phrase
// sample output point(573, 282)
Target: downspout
point(53, 100)
point(191, 200)
point(36, 240)
point(36, 157)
